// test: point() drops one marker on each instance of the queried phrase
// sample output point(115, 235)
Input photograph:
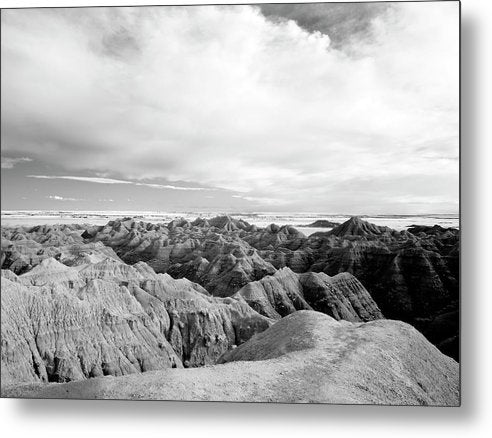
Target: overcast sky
point(341, 108)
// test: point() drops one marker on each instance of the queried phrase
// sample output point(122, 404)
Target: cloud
point(61, 198)
point(171, 187)
point(225, 97)
point(9, 163)
point(82, 178)
point(98, 180)
point(344, 23)
point(263, 200)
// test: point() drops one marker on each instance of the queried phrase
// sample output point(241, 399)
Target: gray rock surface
point(321, 223)
point(62, 323)
point(412, 275)
point(341, 296)
point(306, 357)
point(83, 302)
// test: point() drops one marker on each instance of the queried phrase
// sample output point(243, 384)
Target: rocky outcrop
point(275, 296)
point(321, 223)
point(63, 323)
point(201, 327)
point(227, 223)
point(355, 226)
point(436, 230)
point(411, 277)
point(224, 269)
point(305, 357)
point(274, 236)
point(53, 334)
point(28, 248)
point(47, 235)
point(341, 296)
point(211, 252)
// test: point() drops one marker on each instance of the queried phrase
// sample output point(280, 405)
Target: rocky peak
point(355, 226)
point(229, 223)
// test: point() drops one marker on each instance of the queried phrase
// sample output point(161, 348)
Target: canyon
point(216, 297)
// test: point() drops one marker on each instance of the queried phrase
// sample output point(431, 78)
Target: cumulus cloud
point(344, 22)
point(9, 163)
point(225, 97)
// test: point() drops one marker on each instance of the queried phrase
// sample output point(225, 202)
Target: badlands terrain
point(219, 309)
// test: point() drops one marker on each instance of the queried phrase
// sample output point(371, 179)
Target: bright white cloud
point(9, 163)
point(82, 178)
point(262, 200)
point(171, 187)
point(223, 97)
point(62, 198)
point(99, 180)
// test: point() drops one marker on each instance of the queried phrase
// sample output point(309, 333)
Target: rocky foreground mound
point(305, 357)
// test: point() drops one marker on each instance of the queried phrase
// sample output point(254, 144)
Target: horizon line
point(220, 211)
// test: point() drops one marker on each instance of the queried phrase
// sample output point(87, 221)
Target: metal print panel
point(249, 203)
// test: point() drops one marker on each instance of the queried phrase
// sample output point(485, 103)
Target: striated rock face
point(62, 323)
point(304, 357)
point(223, 269)
point(273, 237)
point(22, 249)
point(355, 226)
point(53, 334)
point(222, 254)
point(275, 296)
point(436, 230)
point(341, 296)
point(227, 223)
point(210, 252)
point(47, 235)
point(25, 247)
point(201, 327)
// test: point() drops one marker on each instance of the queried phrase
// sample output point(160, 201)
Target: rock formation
point(355, 226)
point(411, 275)
point(81, 301)
point(62, 323)
point(305, 357)
point(341, 296)
point(210, 252)
point(321, 223)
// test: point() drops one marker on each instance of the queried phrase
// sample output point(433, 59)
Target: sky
point(336, 108)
